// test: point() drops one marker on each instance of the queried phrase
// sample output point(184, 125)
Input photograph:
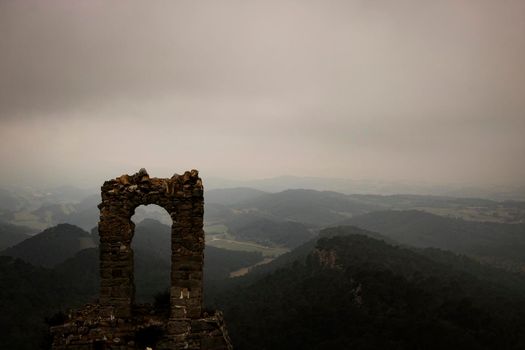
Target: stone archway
point(182, 197)
point(114, 323)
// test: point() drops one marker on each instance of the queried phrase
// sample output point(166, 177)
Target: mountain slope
point(503, 244)
point(152, 238)
point(299, 254)
point(86, 213)
point(28, 295)
point(51, 246)
point(11, 235)
point(358, 292)
point(307, 206)
point(269, 232)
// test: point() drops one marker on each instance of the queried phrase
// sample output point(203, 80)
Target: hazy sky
point(411, 90)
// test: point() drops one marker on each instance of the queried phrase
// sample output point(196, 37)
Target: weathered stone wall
point(182, 197)
point(96, 327)
point(116, 321)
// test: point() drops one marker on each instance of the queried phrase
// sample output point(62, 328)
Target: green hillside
point(497, 243)
point(52, 246)
point(355, 292)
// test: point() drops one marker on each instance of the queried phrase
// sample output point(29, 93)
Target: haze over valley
point(257, 240)
point(362, 166)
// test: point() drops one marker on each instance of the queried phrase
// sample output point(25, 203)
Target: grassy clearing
point(215, 229)
point(247, 247)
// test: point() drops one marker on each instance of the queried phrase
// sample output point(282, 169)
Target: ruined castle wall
point(182, 197)
point(116, 323)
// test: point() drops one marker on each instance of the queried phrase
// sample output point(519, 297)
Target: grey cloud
point(399, 89)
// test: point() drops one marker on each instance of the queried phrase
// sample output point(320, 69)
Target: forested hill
point(52, 246)
point(358, 292)
point(497, 243)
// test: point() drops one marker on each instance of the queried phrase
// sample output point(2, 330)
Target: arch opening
point(151, 245)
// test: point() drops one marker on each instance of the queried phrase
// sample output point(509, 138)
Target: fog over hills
point(373, 187)
point(11, 235)
point(362, 163)
point(229, 196)
point(385, 277)
point(494, 242)
point(411, 92)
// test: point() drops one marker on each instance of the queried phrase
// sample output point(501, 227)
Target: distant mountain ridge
point(52, 246)
point(307, 206)
point(229, 196)
point(372, 187)
point(79, 207)
point(321, 208)
point(261, 217)
point(498, 243)
point(11, 235)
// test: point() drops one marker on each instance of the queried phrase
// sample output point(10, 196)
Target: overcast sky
point(408, 90)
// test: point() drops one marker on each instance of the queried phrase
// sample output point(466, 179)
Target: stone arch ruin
point(182, 197)
point(116, 322)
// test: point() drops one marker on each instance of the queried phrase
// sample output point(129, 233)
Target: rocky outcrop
point(326, 258)
point(116, 322)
